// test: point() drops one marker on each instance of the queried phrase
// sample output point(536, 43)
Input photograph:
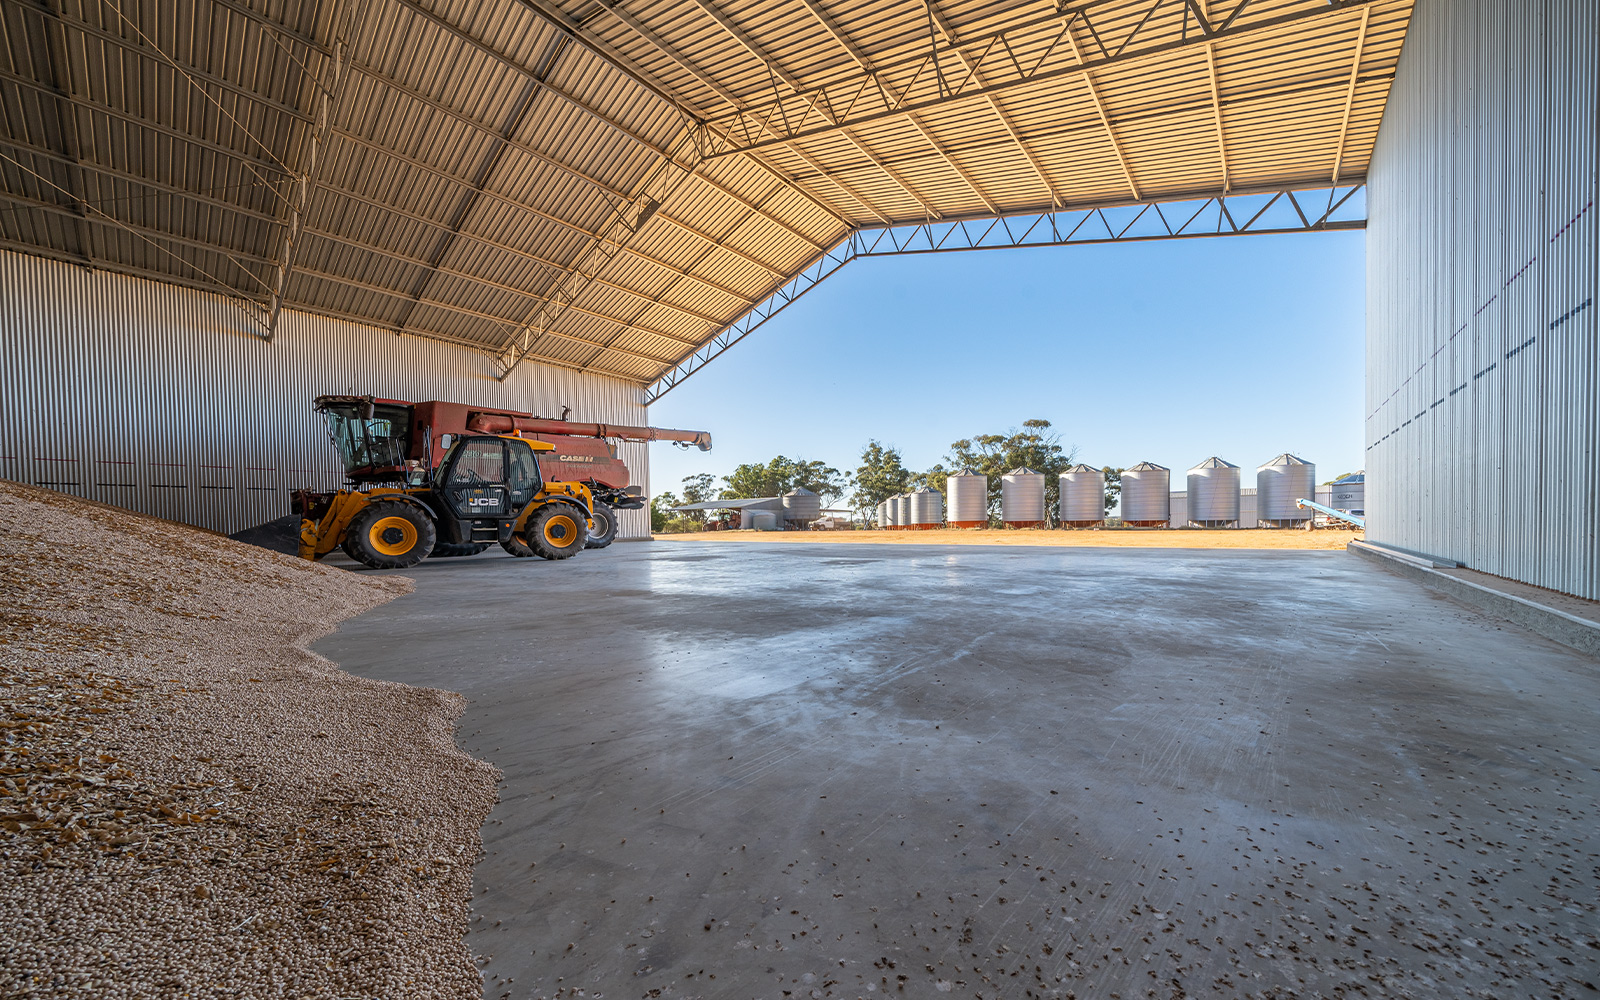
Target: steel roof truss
point(1040, 73)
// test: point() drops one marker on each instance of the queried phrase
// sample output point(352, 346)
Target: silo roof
point(1284, 459)
point(1215, 463)
point(1147, 467)
point(1080, 467)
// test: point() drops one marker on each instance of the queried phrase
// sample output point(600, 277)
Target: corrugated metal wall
point(164, 400)
point(1483, 435)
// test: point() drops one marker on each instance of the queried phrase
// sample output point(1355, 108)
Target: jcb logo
point(483, 502)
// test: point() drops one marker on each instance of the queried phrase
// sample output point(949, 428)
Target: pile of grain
point(191, 803)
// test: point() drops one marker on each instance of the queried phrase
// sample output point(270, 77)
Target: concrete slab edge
point(1569, 630)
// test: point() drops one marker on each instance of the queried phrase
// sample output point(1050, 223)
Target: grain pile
point(191, 803)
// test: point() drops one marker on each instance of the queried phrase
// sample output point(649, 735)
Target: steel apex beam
point(816, 112)
point(1250, 213)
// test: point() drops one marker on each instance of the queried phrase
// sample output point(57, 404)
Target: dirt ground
point(193, 804)
point(1196, 538)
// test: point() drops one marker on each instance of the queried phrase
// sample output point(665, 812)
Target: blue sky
point(1168, 351)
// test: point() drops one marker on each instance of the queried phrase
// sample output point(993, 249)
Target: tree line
point(882, 474)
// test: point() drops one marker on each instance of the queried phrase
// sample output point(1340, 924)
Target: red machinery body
point(584, 452)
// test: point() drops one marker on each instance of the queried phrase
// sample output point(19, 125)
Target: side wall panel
point(1483, 373)
point(164, 400)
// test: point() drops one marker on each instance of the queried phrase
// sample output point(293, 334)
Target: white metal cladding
point(1083, 494)
point(1483, 361)
point(1280, 483)
point(902, 509)
point(969, 498)
point(1144, 494)
point(927, 507)
point(162, 400)
point(1022, 497)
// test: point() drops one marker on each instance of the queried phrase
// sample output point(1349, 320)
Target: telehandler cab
point(488, 488)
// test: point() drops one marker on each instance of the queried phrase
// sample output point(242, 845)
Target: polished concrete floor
point(747, 770)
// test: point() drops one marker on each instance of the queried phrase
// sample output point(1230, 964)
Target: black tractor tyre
point(556, 531)
point(517, 547)
point(390, 534)
point(602, 527)
point(449, 550)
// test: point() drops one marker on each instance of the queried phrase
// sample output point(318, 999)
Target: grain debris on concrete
point(191, 803)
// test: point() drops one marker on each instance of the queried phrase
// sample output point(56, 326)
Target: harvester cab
point(488, 488)
point(373, 437)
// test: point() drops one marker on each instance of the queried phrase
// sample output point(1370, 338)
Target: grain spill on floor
point(191, 804)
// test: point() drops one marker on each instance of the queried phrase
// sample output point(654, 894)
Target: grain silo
point(801, 507)
point(1349, 494)
point(1022, 498)
point(927, 509)
point(891, 512)
point(969, 499)
point(1146, 497)
point(1083, 496)
point(1279, 483)
point(881, 520)
point(1214, 493)
point(902, 511)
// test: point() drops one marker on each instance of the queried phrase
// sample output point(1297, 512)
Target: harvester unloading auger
point(1359, 522)
point(390, 444)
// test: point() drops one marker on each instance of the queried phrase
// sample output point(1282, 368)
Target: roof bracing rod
point(666, 49)
point(501, 321)
point(521, 293)
point(1105, 118)
point(245, 160)
point(1056, 64)
point(547, 87)
point(556, 19)
point(665, 291)
point(156, 187)
point(426, 333)
point(490, 161)
point(1201, 216)
point(777, 70)
point(499, 136)
point(146, 48)
point(1216, 115)
point(66, 120)
point(994, 104)
point(346, 27)
point(615, 236)
point(1350, 93)
point(865, 64)
point(589, 264)
point(156, 240)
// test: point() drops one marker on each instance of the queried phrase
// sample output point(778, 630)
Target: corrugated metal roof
point(606, 186)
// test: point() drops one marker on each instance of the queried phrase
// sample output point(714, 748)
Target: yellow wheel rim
point(392, 536)
point(560, 531)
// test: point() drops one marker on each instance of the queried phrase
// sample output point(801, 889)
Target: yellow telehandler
point(488, 488)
